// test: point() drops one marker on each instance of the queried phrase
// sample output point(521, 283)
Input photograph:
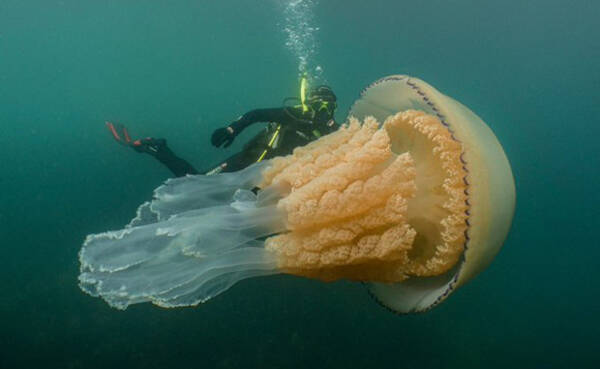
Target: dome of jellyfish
point(413, 196)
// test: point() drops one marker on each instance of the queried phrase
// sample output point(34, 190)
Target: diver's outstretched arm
point(156, 147)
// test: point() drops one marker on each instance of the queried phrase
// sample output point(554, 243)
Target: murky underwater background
point(180, 69)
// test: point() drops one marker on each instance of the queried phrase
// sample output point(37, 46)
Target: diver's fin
point(119, 133)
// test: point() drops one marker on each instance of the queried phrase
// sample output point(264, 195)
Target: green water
point(180, 69)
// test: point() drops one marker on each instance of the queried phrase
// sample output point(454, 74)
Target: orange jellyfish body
point(350, 207)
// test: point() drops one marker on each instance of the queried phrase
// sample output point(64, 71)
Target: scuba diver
point(287, 127)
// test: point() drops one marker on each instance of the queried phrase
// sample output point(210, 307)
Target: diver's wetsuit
point(288, 128)
point(157, 147)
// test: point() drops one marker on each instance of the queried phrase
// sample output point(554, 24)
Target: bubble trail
point(301, 37)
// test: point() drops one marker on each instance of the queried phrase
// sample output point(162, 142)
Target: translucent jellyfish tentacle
point(189, 248)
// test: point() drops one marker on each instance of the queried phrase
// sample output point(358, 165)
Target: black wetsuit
point(294, 128)
point(157, 147)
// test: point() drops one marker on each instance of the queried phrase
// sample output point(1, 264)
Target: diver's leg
point(157, 147)
point(239, 161)
point(233, 163)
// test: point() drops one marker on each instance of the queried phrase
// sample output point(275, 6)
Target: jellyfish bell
point(414, 196)
point(488, 184)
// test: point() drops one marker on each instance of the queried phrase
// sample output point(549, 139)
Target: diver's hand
point(222, 136)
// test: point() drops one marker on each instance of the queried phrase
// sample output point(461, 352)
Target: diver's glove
point(149, 145)
point(223, 137)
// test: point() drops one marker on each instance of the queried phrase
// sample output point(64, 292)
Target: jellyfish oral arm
point(183, 248)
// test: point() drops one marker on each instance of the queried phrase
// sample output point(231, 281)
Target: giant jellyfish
point(413, 196)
